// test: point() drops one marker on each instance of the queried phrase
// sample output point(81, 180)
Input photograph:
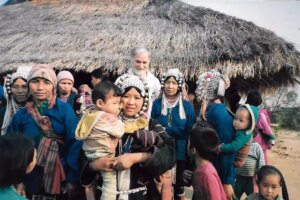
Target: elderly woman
point(211, 88)
point(65, 91)
point(145, 150)
point(177, 116)
point(15, 94)
point(51, 123)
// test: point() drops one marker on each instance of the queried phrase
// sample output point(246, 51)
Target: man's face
point(95, 81)
point(141, 62)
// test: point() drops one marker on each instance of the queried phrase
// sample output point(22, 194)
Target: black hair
point(16, 153)
point(233, 97)
point(254, 98)
point(267, 170)
point(17, 79)
point(130, 87)
point(205, 140)
point(101, 90)
point(98, 73)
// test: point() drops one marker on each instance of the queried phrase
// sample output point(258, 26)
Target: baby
point(244, 123)
point(100, 129)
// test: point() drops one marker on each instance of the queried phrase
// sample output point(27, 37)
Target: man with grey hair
point(140, 67)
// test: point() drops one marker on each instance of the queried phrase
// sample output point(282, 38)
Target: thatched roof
point(86, 35)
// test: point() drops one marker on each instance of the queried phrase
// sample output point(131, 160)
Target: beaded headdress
point(211, 85)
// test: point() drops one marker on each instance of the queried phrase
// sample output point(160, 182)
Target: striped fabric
point(48, 152)
point(254, 161)
point(147, 138)
point(48, 158)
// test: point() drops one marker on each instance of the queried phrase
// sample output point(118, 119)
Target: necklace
point(127, 119)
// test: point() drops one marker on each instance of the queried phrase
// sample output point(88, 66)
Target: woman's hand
point(187, 176)
point(105, 163)
point(126, 160)
point(229, 192)
point(20, 188)
point(69, 190)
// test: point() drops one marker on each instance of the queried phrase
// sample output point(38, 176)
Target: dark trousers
point(243, 184)
point(179, 186)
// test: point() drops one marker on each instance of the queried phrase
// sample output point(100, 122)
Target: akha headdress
point(211, 85)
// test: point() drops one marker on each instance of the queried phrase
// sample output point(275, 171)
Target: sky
point(281, 16)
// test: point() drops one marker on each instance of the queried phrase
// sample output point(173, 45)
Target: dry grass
point(84, 35)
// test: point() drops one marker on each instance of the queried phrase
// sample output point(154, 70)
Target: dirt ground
point(285, 155)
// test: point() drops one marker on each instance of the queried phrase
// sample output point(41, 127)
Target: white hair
point(138, 50)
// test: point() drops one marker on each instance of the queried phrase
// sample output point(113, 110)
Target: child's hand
point(272, 142)
point(219, 149)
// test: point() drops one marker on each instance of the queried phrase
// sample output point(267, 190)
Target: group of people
point(137, 138)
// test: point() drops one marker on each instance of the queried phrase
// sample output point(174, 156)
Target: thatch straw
point(86, 35)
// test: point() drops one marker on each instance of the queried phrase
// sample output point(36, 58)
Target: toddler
point(244, 124)
point(244, 180)
point(101, 129)
point(84, 101)
point(270, 180)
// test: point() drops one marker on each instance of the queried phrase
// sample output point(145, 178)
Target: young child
point(244, 180)
point(17, 158)
point(202, 144)
point(84, 88)
point(244, 124)
point(84, 101)
point(100, 129)
point(270, 180)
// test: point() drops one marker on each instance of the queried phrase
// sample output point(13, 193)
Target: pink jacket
point(263, 124)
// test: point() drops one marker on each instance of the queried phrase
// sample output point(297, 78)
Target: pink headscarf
point(64, 75)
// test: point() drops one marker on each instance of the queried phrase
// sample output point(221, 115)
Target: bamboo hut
point(84, 35)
